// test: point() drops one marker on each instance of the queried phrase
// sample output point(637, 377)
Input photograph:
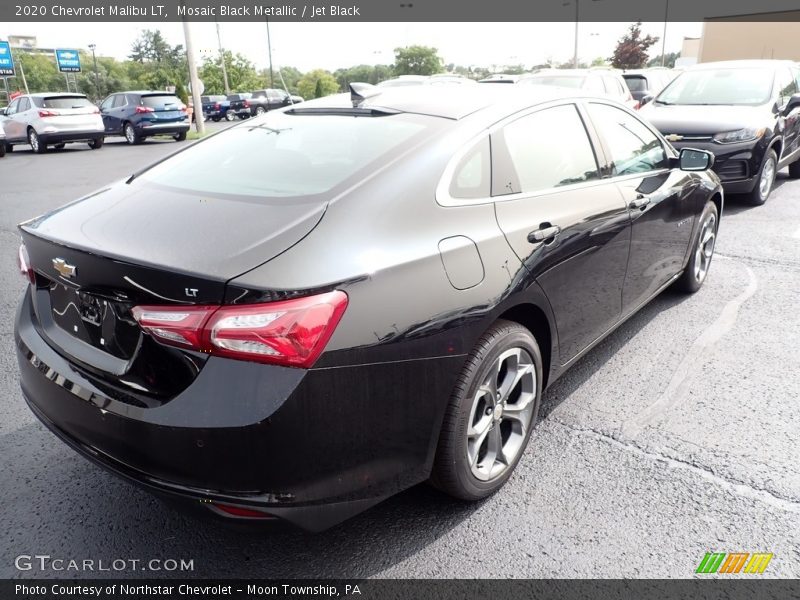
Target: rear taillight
point(216, 106)
point(291, 332)
point(246, 104)
point(47, 113)
point(144, 109)
point(637, 106)
point(24, 264)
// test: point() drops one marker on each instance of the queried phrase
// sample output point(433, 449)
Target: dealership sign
point(6, 60)
point(69, 61)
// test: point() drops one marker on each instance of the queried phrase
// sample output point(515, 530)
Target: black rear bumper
point(70, 136)
point(309, 447)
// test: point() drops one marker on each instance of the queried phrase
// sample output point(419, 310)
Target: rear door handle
point(544, 233)
point(641, 202)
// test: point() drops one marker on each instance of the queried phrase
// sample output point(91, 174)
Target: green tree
point(317, 83)
point(417, 60)
point(154, 63)
point(41, 73)
point(291, 76)
point(669, 60)
point(599, 62)
point(242, 74)
point(631, 50)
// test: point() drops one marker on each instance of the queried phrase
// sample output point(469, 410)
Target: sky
point(333, 45)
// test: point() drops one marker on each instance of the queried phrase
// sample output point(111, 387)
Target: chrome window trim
point(445, 199)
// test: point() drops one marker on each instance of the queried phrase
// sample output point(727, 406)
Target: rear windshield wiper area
point(343, 111)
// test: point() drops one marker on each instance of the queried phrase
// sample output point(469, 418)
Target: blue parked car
point(216, 108)
point(140, 115)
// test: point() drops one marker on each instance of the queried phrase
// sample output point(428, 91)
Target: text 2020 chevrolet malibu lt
point(366, 292)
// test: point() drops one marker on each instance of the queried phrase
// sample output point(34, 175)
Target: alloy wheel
point(767, 177)
point(705, 248)
point(130, 134)
point(33, 139)
point(501, 414)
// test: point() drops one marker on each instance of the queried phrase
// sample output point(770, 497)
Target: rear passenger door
point(569, 226)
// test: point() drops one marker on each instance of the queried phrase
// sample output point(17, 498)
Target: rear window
point(636, 83)
point(559, 80)
point(285, 156)
point(61, 102)
point(161, 101)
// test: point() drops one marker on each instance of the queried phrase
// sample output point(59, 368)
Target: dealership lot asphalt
point(677, 436)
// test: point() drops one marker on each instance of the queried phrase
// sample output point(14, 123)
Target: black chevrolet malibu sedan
point(371, 291)
point(747, 113)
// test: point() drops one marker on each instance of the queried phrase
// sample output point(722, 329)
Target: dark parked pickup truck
point(216, 108)
point(262, 101)
point(239, 105)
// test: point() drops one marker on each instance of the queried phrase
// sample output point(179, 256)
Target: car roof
point(48, 94)
point(741, 64)
point(144, 92)
point(454, 102)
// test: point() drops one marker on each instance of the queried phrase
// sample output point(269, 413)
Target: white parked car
point(52, 119)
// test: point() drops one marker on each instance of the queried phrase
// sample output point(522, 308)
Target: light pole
point(96, 75)
point(269, 51)
point(224, 66)
point(197, 105)
point(664, 37)
point(577, 20)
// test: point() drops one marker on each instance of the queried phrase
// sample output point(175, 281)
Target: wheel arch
point(535, 320)
point(776, 144)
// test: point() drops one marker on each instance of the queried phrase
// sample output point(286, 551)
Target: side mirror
point(692, 159)
point(646, 99)
point(793, 103)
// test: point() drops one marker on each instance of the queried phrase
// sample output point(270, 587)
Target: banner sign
point(69, 61)
point(6, 60)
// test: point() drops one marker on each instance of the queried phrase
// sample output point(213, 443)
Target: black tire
point(216, 119)
point(9, 148)
point(693, 276)
point(229, 116)
point(2, 150)
point(759, 196)
point(260, 110)
point(60, 146)
point(794, 169)
point(36, 143)
point(131, 135)
point(452, 471)
point(97, 143)
point(180, 136)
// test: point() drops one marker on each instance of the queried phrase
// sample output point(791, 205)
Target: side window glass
point(548, 149)
point(471, 178)
point(634, 148)
point(107, 103)
point(119, 100)
point(12, 108)
point(24, 105)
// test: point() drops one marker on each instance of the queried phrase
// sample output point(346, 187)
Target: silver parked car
point(52, 119)
point(2, 141)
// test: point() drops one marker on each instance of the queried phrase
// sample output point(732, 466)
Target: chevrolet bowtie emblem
point(674, 137)
point(64, 269)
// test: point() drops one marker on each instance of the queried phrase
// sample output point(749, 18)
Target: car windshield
point(285, 155)
point(62, 102)
point(636, 83)
point(720, 86)
point(570, 81)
